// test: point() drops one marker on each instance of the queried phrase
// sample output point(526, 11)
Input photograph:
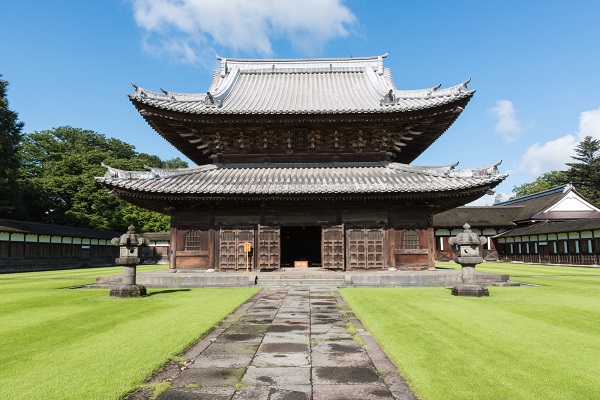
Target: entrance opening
point(300, 243)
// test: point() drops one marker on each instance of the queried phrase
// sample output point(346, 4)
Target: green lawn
point(528, 342)
point(58, 343)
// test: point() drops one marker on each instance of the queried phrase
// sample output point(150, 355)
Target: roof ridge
point(291, 60)
point(558, 189)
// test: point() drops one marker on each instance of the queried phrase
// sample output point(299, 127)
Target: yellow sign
point(247, 247)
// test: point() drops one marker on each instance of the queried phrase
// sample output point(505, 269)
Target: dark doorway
point(300, 243)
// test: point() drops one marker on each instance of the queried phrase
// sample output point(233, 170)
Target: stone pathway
point(296, 343)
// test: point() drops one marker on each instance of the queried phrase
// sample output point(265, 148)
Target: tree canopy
point(584, 174)
point(57, 174)
point(546, 181)
point(10, 136)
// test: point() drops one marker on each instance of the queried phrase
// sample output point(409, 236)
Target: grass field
point(528, 342)
point(58, 343)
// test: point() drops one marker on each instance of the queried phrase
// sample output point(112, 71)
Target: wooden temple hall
point(308, 160)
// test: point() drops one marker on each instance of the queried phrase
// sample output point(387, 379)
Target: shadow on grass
point(166, 291)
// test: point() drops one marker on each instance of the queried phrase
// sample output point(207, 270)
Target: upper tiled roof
point(542, 205)
point(302, 86)
point(302, 179)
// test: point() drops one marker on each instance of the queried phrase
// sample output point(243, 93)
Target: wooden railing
point(564, 259)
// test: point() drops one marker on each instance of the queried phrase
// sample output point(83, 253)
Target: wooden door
point(269, 253)
point(366, 248)
point(231, 248)
point(332, 247)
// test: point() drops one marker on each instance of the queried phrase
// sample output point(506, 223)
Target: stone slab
point(218, 348)
point(284, 348)
point(222, 361)
point(274, 393)
point(360, 359)
point(290, 337)
point(344, 375)
point(209, 393)
point(277, 376)
point(376, 391)
point(281, 360)
point(337, 347)
point(209, 377)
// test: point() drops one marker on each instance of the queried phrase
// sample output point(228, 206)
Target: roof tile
point(351, 178)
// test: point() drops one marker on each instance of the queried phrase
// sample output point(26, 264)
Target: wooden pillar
point(173, 259)
point(431, 246)
point(212, 244)
point(391, 247)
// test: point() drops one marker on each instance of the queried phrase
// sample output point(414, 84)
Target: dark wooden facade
point(349, 238)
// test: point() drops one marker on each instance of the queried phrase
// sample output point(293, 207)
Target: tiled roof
point(26, 227)
point(536, 205)
point(302, 179)
point(543, 228)
point(302, 86)
point(477, 217)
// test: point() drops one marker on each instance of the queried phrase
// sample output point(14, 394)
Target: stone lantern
point(469, 255)
point(129, 244)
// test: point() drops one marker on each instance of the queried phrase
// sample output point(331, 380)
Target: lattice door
point(231, 248)
point(332, 247)
point(365, 248)
point(268, 247)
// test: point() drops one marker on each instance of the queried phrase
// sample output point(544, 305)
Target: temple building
point(308, 161)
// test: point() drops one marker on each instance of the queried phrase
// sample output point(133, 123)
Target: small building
point(304, 161)
point(484, 220)
point(28, 246)
point(157, 251)
point(556, 226)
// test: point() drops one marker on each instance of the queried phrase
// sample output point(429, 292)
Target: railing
point(565, 259)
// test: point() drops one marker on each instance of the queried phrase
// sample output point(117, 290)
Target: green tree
point(10, 137)
point(58, 168)
point(585, 173)
point(544, 182)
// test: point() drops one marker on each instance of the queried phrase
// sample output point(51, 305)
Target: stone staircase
point(300, 279)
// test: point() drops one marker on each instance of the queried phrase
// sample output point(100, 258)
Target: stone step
point(298, 276)
point(266, 282)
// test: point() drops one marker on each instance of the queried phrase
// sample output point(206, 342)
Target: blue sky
point(535, 65)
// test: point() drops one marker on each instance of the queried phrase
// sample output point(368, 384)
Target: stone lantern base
point(127, 291)
point(470, 291)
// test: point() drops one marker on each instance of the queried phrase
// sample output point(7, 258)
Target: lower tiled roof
point(302, 179)
point(547, 227)
point(477, 217)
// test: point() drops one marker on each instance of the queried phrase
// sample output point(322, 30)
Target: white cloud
point(550, 156)
point(192, 29)
point(589, 124)
point(507, 123)
point(553, 155)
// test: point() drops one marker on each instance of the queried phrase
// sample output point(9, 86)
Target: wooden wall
point(570, 248)
point(392, 221)
point(30, 252)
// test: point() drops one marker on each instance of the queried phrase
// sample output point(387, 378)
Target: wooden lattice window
point(410, 240)
point(192, 241)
